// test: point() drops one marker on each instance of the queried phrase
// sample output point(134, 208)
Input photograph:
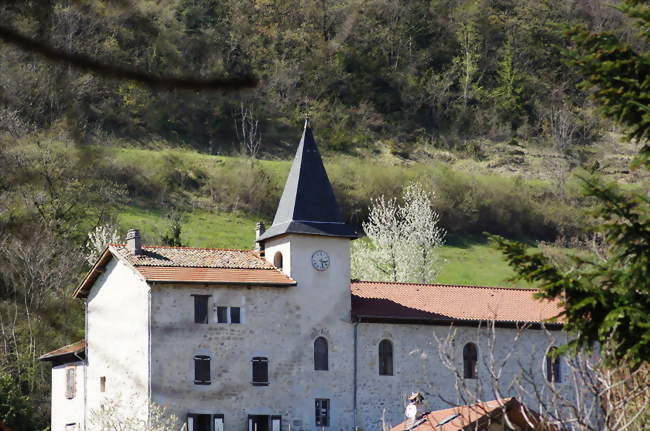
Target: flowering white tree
point(111, 417)
point(98, 239)
point(401, 240)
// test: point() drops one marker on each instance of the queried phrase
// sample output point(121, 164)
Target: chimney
point(259, 230)
point(134, 242)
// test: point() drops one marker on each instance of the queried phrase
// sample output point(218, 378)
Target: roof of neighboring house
point(70, 353)
point(308, 205)
point(475, 417)
point(185, 265)
point(448, 303)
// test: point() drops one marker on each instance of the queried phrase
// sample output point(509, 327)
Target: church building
point(279, 338)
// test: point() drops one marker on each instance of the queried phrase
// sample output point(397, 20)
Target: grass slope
point(464, 261)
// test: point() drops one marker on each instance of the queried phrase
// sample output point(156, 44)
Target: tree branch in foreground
point(84, 62)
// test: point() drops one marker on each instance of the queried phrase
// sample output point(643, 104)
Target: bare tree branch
point(86, 63)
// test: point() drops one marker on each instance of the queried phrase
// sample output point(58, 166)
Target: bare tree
point(561, 126)
point(248, 131)
point(98, 239)
point(591, 396)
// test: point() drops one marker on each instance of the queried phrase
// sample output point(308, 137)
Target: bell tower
point(311, 243)
point(308, 237)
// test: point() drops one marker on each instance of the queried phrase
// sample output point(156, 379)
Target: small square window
point(235, 315)
point(222, 314)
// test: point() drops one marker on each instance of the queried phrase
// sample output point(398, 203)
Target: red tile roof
point(74, 348)
point(192, 265)
point(443, 302)
point(477, 417)
point(193, 257)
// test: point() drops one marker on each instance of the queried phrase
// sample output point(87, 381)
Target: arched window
point(553, 365)
point(320, 354)
point(470, 361)
point(277, 260)
point(385, 358)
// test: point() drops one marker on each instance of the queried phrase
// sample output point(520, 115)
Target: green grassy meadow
point(463, 261)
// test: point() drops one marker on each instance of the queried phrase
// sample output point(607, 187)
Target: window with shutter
point(385, 358)
point(201, 370)
point(205, 422)
point(222, 314)
point(260, 371)
point(322, 412)
point(70, 382)
point(321, 354)
point(201, 308)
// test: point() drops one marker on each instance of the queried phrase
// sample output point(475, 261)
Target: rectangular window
point(235, 315)
point(70, 382)
point(201, 370)
point(222, 314)
point(204, 422)
point(201, 308)
point(71, 427)
point(322, 412)
point(102, 384)
point(260, 371)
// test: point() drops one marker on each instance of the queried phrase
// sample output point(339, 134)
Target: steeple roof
point(308, 205)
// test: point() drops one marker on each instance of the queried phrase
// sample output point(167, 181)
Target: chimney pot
point(134, 242)
point(259, 230)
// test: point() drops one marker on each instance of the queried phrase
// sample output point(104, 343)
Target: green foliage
point(366, 73)
point(618, 73)
point(172, 237)
point(606, 300)
point(16, 411)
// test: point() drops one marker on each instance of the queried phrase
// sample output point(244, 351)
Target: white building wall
point(417, 367)
point(117, 337)
point(68, 413)
point(280, 324)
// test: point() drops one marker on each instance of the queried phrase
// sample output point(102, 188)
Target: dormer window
point(277, 260)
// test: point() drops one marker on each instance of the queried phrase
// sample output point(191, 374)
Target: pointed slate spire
point(308, 205)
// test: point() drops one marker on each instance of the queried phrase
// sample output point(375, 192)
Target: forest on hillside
point(448, 89)
point(398, 72)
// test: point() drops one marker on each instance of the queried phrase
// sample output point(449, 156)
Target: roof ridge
point(445, 284)
point(190, 248)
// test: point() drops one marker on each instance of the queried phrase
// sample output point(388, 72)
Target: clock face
point(320, 260)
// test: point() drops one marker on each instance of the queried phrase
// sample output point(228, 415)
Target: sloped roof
point(185, 265)
point(308, 204)
point(476, 417)
point(445, 303)
point(70, 350)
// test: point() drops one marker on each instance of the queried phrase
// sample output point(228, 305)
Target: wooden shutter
point(70, 382)
point(201, 308)
point(260, 371)
point(202, 370)
point(222, 314)
point(235, 316)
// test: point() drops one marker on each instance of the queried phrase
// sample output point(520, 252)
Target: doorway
point(264, 423)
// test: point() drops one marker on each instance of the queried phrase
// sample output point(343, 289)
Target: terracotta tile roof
point(74, 348)
point(443, 302)
point(192, 265)
point(214, 275)
point(193, 257)
point(475, 417)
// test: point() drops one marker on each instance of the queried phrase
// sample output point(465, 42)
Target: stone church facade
point(279, 338)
